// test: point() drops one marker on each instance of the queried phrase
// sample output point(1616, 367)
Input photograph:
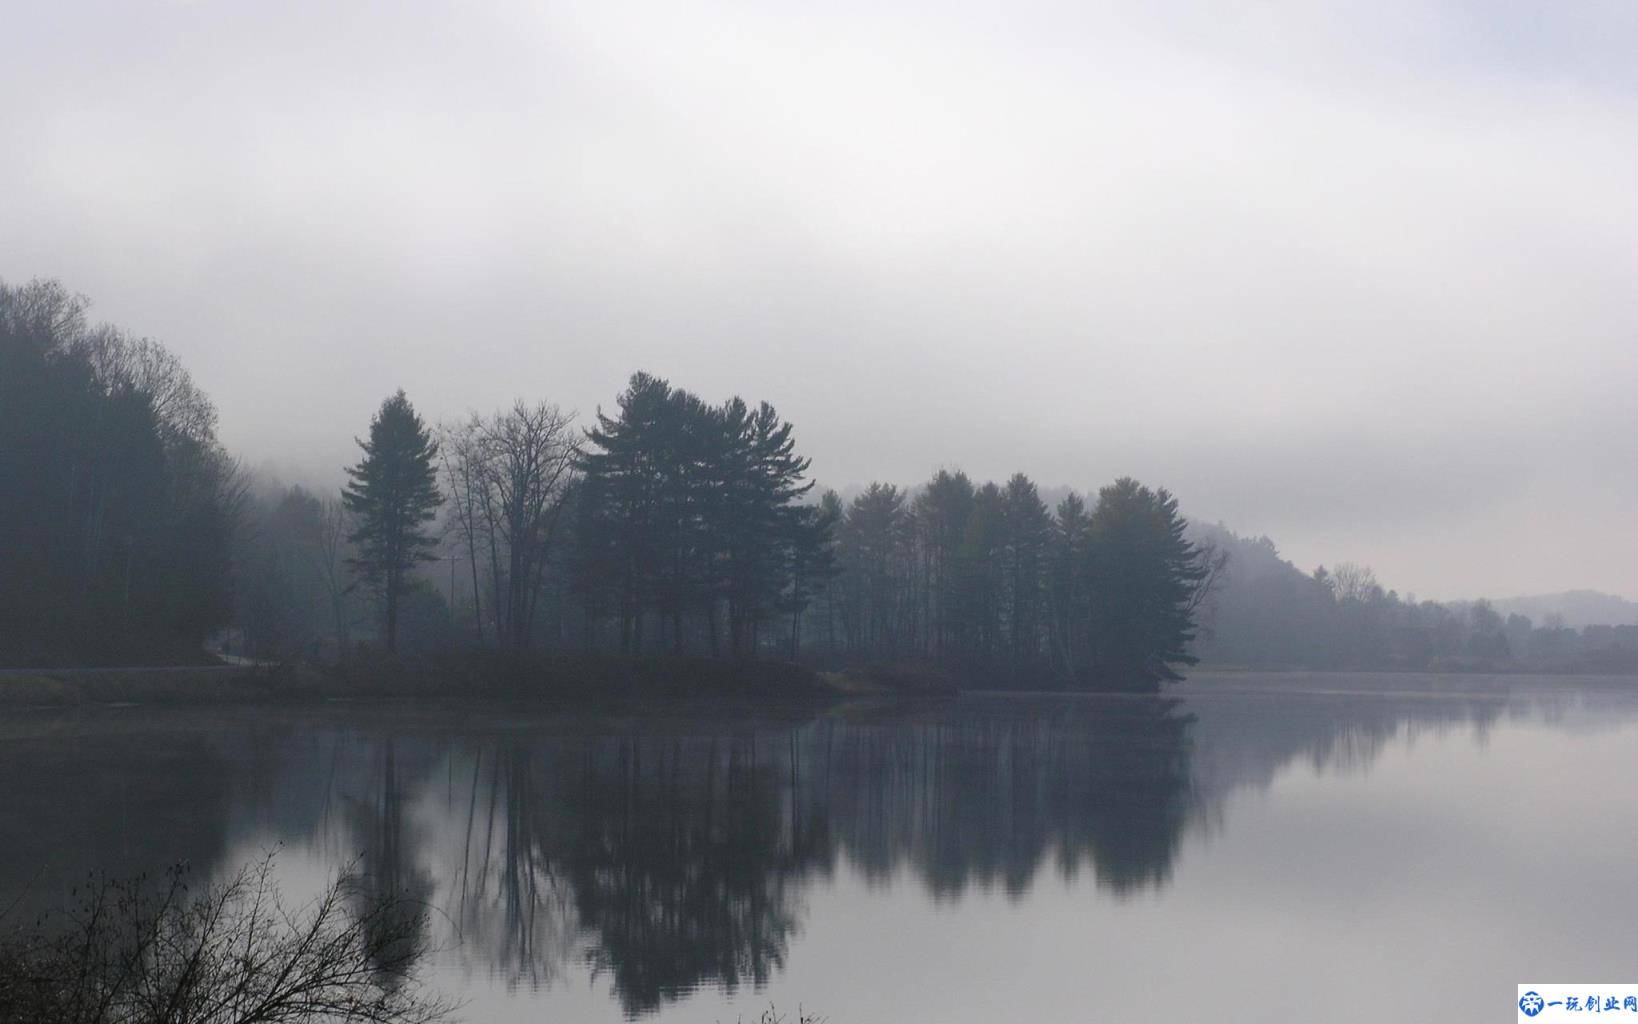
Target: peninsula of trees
point(668, 525)
point(677, 526)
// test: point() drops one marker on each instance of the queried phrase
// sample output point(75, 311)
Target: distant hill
point(1578, 607)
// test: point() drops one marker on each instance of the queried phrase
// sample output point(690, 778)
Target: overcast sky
point(1361, 276)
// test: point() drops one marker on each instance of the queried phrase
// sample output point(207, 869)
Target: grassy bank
point(915, 680)
point(551, 678)
point(184, 684)
point(563, 676)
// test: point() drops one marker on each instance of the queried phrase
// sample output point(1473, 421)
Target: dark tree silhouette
point(989, 585)
point(117, 506)
point(234, 953)
point(394, 495)
point(691, 516)
point(941, 511)
point(812, 563)
point(510, 476)
point(875, 552)
point(1147, 573)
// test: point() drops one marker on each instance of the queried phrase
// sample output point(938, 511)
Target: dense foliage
point(988, 583)
point(689, 516)
point(117, 526)
point(671, 525)
point(293, 596)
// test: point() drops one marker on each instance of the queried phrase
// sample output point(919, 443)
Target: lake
point(1247, 847)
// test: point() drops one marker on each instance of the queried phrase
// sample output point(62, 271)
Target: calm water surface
point(1250, 848)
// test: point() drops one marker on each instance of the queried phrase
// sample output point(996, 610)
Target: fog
point(1357, 276)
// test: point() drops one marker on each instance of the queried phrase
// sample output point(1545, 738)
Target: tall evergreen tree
point(833, 512)
point(1027, 531)
point(1146, 574)
point(991, 586)
point(942, 510)
point(691, 512)
point(393, 495)
point(618, 536)
point(874, 555)
point(762, 486)
point(979, 578)
point(1069, 584)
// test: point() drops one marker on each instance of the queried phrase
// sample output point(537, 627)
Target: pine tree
point(1070, 586)
point(874, 542)
point(942, 511)
point(1027, 534)
point(769, 484)
point(628, 526)
point(980, 580)
point(689, 510)
point(393, 495)
point(1145, 575)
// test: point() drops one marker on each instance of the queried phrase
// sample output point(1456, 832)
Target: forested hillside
point(671, 524)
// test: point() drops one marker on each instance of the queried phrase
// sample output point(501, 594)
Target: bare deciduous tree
point(184, 412)
point(464, 473)
point(509, 475)
point(234, 953)
point(1213, 562)
point(1353, 582)
point(530, 458)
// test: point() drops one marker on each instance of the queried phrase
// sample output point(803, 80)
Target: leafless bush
point(144, 952)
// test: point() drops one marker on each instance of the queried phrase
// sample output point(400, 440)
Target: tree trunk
point(477, 605)
point(341, 627)
point(392, 612)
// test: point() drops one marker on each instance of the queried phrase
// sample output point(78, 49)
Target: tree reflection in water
point(387, 871)
point(985, 792)
point(678, 859)
point(669, 852)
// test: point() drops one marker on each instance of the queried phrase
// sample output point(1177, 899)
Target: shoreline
point(554, 680)
point(570, 681)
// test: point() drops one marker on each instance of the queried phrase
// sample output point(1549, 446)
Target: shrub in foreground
point(140, 952)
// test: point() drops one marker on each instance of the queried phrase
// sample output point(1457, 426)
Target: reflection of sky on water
point(1000, 856)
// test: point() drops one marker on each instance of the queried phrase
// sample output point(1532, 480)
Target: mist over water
point(895, 511)
point(1288, 841)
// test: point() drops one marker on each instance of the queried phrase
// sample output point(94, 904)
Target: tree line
point(676, 525)
point(988, 581)
point(667, 524)
point(1270, 613)
point(117, 504)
